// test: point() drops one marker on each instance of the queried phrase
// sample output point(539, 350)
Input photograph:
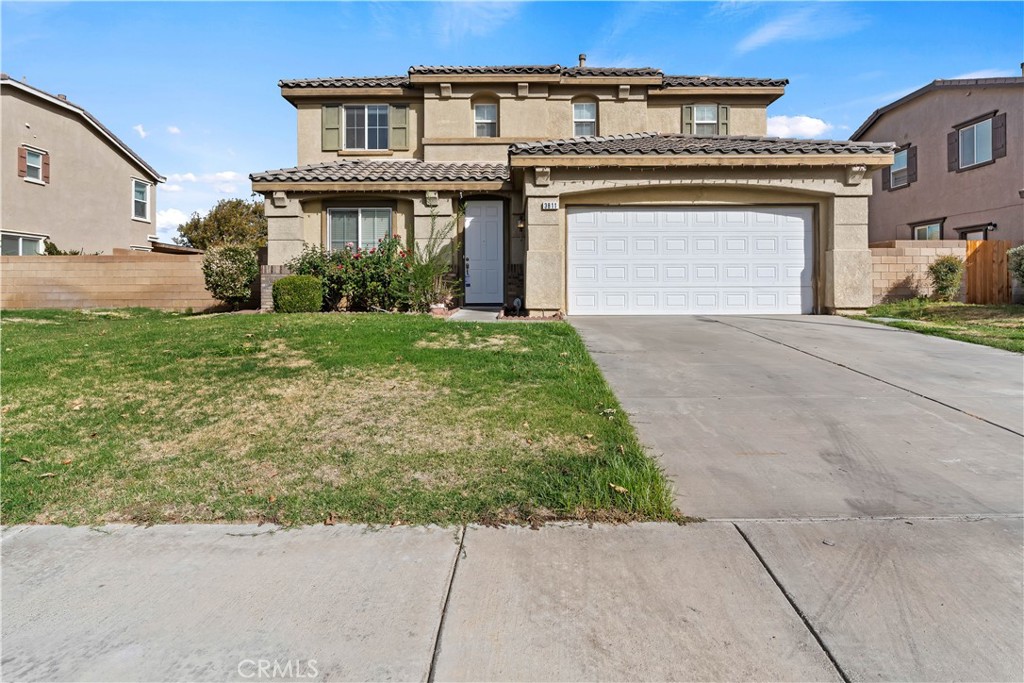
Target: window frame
point(22, 238)
point(358, 210)
point(893, 185)
point(973, 126)
point(366, 127)
point(28, 166)
point(477, 121)
point(148, 200)
point(577, 120)
point(697, 122)
point(938, 223)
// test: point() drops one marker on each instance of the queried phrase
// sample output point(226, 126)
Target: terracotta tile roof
point(393, 171)
point(348, 82)
point(722, 82)
point(625, 72)
point(655, 143)
point(513, 69)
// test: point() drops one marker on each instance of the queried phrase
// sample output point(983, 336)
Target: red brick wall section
point(900, 268)
point(169, 282)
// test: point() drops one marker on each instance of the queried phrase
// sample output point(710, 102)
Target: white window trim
point(32, 237)
point(477, 119)
point(359, 222)
point(366, 127)
point(576, 119)
point(42, 153)
point(704, 122)
point(149, 198)
point(960, 142)
point(893, 170)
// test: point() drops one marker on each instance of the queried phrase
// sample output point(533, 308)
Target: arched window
point(584, 117)
point(485, 117)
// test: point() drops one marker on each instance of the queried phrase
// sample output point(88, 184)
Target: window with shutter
point(366, 126)
point(33, 165)
point(978, 142)
point(898, 170)
point(331, 136)
point(400, 127)
point(705, 120)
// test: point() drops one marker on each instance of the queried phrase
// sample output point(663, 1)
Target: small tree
point(429, 281)
point(229, 272)
point(1016, 263)
point(230, 221)
point(946, 272)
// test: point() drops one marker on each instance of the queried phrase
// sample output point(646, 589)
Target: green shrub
point(429, 281)
point(1016, 258)
point(323, 264)
point(298, 294)
point(229, 272)
point(946, 272)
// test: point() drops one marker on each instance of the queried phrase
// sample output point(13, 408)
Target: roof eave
point(389, 186)
point(872, 161)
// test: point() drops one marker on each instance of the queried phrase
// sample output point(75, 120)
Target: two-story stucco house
point(585, 190)
point(68, 179)
point(958, 168)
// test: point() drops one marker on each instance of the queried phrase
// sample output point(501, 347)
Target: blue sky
point(191, 86)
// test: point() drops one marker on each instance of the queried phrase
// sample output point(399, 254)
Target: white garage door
point(670, 260)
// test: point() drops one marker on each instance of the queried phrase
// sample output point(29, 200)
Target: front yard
point(999, 326)
point(145, 417)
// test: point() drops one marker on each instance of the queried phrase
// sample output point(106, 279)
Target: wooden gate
point(988, 274)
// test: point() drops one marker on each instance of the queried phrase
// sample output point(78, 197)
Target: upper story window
point(584, 118)
point(140, 200)
point(33, 165)
point(898, 171)
point(485, 116)
point(977, 142)
point(705, 119)
point(903, 170)
point(366, 126)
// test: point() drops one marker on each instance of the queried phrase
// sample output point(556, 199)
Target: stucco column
point(284, 228)
point(847, 257)
point(545, 256)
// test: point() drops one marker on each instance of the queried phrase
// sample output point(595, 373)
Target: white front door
point(485, 269)
point(690, 260)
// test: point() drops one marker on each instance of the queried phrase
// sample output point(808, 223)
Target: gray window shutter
point(400, 127)
point(331, 136)
point(688, 119)
point(46, 167)
point(886, 179)
point(953, 151)
point(723, 119)
point(912, 164)
point(999, 136)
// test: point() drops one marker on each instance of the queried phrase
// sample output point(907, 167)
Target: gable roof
point(940, 84)
point(386, 171)
point(91, 120)
point(676, 144)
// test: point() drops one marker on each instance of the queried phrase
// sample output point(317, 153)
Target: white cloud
point(170, 218)
point(172, 188)
point(797, 127)
point(140, 130)
point(986, 73)
point(173, 130)
point(182, 178)
point(226, 188)
point(226, 175)
point(471, 19)
point(817, 22)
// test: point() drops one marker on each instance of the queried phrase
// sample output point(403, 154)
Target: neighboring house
point(569, 205)
point(958, 170)
point(68, 179)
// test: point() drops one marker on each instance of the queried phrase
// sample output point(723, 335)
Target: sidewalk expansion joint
point(444, 609)
point(796, 608)
point(870, 376)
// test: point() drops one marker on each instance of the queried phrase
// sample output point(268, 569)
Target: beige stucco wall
point(310, 131)
point(842, 264)
point(971, 197)
point(88, 201)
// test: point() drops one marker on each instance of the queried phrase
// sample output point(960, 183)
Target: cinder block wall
point(164, 281)
point(899, 269)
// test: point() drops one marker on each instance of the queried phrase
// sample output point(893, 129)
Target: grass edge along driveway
point(138, 416)
point(1000, 327)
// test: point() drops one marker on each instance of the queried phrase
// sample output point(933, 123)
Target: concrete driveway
point(876, 473)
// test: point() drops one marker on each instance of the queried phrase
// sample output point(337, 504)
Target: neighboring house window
point(705, 119)
point(975, 233)
point(362, 228)
point(486, 118)
point(903, 170)
point(20, 245)
point(140, 200)
point(33, 165)
point(584, 119)
point(898, 171)
point(977, 142)
point(928, 231)
point(366, 126)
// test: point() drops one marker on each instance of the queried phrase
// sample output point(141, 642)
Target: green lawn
point(998, 326)
point(147, 417)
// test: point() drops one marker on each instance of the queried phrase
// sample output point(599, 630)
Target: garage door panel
point(690, 260)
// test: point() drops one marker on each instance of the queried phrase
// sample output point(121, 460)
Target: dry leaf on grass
point(618, 489)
